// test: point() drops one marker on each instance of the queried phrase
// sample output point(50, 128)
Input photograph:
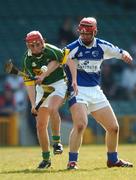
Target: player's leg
point(42, 120)
point(80, 119)
point(54, 105)
point(55, 100)
point(106, 117)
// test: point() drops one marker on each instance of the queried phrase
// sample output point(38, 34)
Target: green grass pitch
point(19, 163)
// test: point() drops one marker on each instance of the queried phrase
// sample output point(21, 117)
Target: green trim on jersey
point(32, 64)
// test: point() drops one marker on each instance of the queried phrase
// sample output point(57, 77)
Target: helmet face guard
point(86, 29)
point(87, 25)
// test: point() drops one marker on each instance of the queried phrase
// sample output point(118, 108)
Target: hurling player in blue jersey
point(88, 53)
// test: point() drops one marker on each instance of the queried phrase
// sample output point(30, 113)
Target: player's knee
point(53, 110)
point(81, 127)
point(40, 126)
point(114, 129)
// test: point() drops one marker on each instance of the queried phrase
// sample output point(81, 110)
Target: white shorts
point(93, 97)
point(60, 90)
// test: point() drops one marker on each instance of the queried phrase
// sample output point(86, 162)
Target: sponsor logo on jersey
point(89, 66)
point(33, 64)
point(95, 53)
point(37, 71)
point(86, 62)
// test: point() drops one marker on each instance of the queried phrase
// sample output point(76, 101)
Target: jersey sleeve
point(111, 51)
point(66, 52)
point(27, 69)
point(73, 50)
point(56, 53)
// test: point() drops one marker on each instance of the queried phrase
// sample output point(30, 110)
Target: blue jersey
point(89, 60)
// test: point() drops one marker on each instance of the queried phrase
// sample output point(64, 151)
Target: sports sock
point(46, 155)
point(56, 139)
point(112, 156)
point(73, 156)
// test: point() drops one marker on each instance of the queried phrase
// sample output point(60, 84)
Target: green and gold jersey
point(32, 64)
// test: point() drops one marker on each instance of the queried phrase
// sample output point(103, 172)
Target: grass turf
point(21, 162)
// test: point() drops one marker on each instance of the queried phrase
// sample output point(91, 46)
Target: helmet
point(33, 36)
point(87, 25)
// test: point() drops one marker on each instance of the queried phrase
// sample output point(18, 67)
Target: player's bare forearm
point(73, 70)
point(31, 94)
point(50, 68)
point(126, 57)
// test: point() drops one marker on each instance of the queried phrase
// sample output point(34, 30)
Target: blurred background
point(57, 21)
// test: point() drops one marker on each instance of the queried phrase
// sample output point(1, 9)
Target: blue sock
point(112, 156)
point(73, 156)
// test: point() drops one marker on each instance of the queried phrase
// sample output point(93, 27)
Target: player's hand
point(126, 57)
point(39, 79)
point(75, 87)
point(34, 111)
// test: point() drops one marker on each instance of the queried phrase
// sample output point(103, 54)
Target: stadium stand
point(47, 16)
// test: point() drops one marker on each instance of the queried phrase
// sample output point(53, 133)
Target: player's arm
point(47, 71)
point(56, 55)
point(73, 69)
point(30, 84)
point(27, 69)
point(30, 88)
point(111, 51)
point(126, 57)
point(31, 94)
point(69, 60)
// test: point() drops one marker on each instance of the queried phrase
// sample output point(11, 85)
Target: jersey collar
point(82, 44)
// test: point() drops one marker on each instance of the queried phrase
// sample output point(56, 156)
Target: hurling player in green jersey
point(42, 61)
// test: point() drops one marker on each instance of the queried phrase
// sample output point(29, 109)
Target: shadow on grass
point(50, 170)
point(100, 168)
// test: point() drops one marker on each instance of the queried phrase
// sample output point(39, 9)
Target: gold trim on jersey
point(29, 83)
point(66, 52)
